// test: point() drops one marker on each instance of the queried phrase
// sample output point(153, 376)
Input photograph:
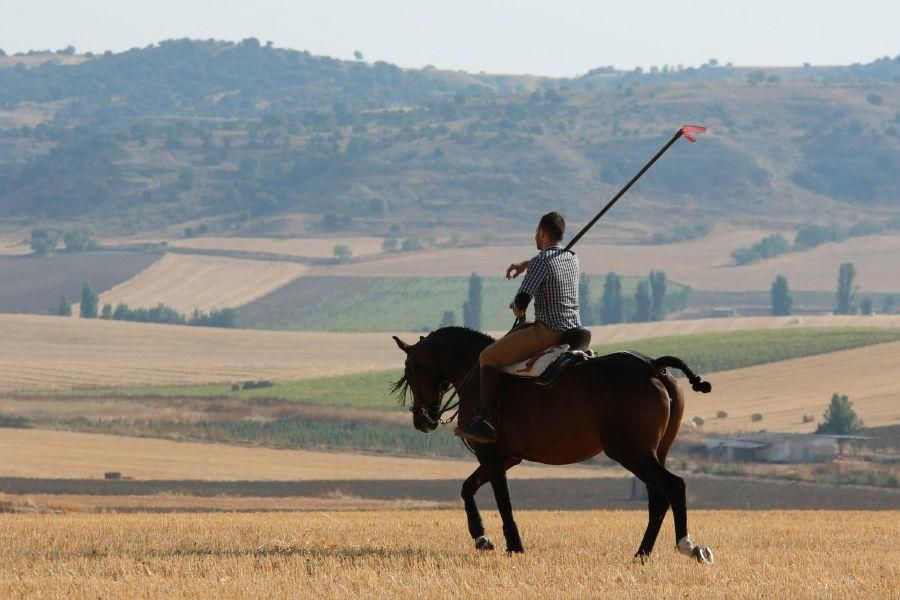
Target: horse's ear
point(401, 344)
point(421, 338)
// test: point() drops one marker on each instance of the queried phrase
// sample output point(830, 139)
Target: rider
point(552, 280)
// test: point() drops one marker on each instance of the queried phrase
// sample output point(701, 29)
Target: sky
point(546, 37)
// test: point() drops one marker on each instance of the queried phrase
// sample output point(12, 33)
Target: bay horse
point(623, 405)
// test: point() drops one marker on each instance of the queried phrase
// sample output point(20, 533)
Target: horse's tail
point(696, 382)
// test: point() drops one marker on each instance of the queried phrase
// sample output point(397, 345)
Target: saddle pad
point(537, 364)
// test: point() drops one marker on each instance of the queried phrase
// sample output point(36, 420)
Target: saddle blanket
point(537, 364)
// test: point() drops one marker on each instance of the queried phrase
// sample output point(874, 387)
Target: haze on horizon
point(500, 36)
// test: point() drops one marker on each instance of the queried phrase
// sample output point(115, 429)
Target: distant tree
point(611, 305)
point(89, 302)
point(65, 307)
point(357, 55)
point(189, 232)
point(377, 207)
point(846, 292)
point(865, 307)
point(43, 241)
point(658, 284)
point(2, 52)
point(449, 319)
point(185, 179)
point(756, 77)
point(107, 312)
point(643, 303)
point(411, 243)
point(781, 297)
point(390, 244)
point(342, 252)
point(874, 99)
point(472, 306)
point(889, 304)
point(78, 240)
point(840, 418)
point(585, 306)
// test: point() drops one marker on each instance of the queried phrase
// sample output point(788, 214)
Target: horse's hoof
point(703, 555)
point(519, 550)
point(483, 543)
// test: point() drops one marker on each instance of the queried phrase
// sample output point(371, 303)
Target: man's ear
point(401, 344)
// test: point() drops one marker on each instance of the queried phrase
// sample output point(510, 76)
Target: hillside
point(235, 134)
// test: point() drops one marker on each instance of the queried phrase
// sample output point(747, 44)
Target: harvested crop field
point(68, 455)
point(293, 247)
point(186, 282)
point(35, 284)
point(39, 352)
point(704, 263)
point(428, 554)
point(784, 391)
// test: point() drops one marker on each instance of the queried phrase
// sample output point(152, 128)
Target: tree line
point(90, 309)
point(846, 296)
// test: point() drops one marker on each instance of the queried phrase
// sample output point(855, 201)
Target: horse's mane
point(400, 388)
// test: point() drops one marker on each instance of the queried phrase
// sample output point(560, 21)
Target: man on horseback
point(552, 280)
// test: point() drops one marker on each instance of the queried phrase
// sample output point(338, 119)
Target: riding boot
point(480, 429)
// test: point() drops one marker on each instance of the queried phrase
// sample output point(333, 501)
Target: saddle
point(545, 367)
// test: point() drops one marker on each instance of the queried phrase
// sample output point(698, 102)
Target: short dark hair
point(553, 225)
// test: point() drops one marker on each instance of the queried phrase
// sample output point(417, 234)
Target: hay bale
point(756, 417)
point(721, 414)
point(809, 418)
point(698, 421)
point(112, 475)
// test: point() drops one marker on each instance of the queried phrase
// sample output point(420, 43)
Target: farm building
point(779, 447)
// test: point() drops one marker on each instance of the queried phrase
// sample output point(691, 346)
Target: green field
point(401, 303)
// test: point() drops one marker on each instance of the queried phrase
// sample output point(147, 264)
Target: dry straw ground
point(187, 282)
point(427, 554)
point(69, 455)
point(41, 352)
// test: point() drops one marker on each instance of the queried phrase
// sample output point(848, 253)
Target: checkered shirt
point(552, 279)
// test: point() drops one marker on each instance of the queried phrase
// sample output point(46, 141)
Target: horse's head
point(422, 374)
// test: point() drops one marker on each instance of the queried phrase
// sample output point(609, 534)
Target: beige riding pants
point(519, 345)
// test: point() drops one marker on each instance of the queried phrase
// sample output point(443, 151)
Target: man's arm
point(537, 273)
point(516, 269)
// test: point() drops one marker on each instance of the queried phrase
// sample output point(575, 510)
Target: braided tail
point(696, 383)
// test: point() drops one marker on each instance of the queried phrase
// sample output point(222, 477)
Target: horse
point(627, 406)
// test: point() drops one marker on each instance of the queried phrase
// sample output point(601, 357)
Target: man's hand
point(516, 269)
point(519, 313)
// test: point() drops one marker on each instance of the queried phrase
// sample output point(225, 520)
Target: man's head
point(550, 230)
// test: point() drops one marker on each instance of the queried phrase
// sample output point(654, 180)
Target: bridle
point(446, 405)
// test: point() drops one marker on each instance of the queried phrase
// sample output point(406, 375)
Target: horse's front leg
point(504, 506)
point(476, 527)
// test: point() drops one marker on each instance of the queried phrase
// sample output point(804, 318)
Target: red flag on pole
point(687, 130)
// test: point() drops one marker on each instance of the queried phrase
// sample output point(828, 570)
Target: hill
point(237, 133)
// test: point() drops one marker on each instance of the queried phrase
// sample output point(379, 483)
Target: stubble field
point(421, 554)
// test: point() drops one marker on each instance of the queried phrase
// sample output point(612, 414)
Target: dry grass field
point(68, 455)
point(427, 554)
point(40, 352)
point(784, 391)
point(704, 263)
point(186, 282)
point(296, 247)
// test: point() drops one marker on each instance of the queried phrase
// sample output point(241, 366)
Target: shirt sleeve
point(535, 276)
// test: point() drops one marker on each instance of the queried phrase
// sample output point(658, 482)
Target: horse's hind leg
point(649, 470)
point(473, 517)
point(658, 506)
